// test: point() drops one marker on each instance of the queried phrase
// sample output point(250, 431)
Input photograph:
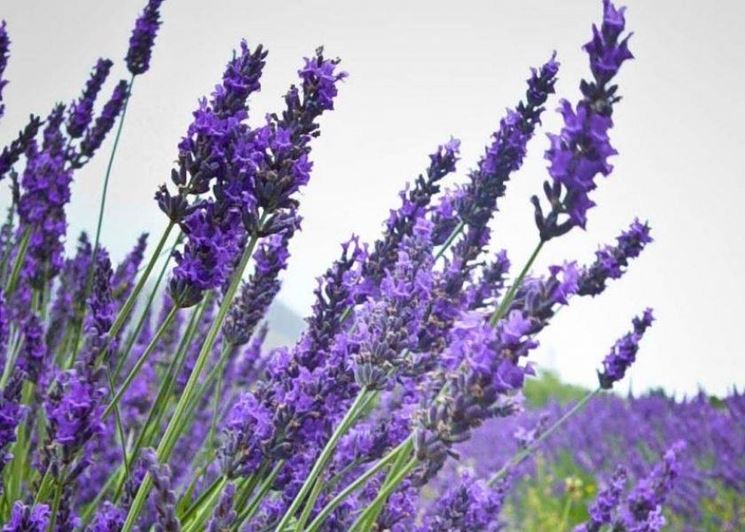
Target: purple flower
point(45, 190)
point(611, 261)
point(24, 518)
point(258, 293)
point(4, 54)
point(319, 78)
point(608, 499)
point(469, 504)
point(506, 152)
point(206, 260)
point(108, 518)
point(224, 515)
point(11, 153)
point(386, 328)
point(143, 38)
point(413, 205)
point(337, 290)
point(81, 111)
point(96, 134)
point(33, 356)
point(70, 293)
point(240, 80)
point(579, 153)
point(248, 421)
point(651, 492)
point(486, 291)
point(73, 408)
point(623, 352)
point(124, 276)
point(11, 414)
point(164, 497)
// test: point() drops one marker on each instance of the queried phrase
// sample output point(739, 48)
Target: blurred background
point(421, 71)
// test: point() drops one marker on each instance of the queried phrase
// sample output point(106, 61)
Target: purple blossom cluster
point(121, 410)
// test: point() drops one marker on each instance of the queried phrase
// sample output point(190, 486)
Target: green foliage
point(547, 386)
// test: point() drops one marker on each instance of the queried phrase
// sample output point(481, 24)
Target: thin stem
point(121, 318)
point(141, 361)
point(384, 493)
point(254, 504)
point(135, 334)
point(110, 165)
point(323, 459)
point(206, 506)
point(519, 457)
point(18, 262)
point(168, 441)
point(356, 484)
point(453, 235)
point(512, 292)
point(99, 223)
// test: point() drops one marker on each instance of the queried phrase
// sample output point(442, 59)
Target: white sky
point(421, 71)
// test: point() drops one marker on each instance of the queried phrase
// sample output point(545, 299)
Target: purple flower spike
point(623, 353)
point(95, 135)
point(580, 152)
point(4, 54)
point(468, 505)
point(608, 499)
point(11, 414)
point(413, 204)
point(646, 499)
point(11, 153)
point(258, 293)
point(143, 38)
point(108, 518)
point(28, 518)
point(611, 261)
point(81, 111)
point(505, 154)
point(319, 78)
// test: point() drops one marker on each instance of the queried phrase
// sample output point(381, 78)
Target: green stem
point(168, 441)
point(119, 427)
point(323, 459)
point(110, 165)
point(206, 507)
point(355, 485)
point(512, 292)
point(186, 516)
point(254, 504)
point(124, 355)
point(383, 495)
point(123, 314)
point(527, 451)
point(18, 263)
point(453, 235)
point(141, 361)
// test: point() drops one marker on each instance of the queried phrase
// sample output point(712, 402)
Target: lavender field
point(166, 391)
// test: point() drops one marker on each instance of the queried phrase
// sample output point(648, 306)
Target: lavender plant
point(179, 419)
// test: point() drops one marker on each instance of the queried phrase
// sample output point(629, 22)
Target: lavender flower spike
point(143, 38)
point(580, 151)
point(646, 499)
point(81, 111)
point(608, 499)
point(95, 135)
point(259, 292)
point(611, 261)
point(623, 353)
point(28, 519)
point(4, 54)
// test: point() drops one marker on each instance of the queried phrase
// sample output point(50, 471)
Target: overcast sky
point(421, 71)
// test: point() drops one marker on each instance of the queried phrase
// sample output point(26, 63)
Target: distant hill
point(285, 325)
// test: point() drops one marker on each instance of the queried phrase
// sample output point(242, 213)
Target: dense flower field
point(140, 395)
